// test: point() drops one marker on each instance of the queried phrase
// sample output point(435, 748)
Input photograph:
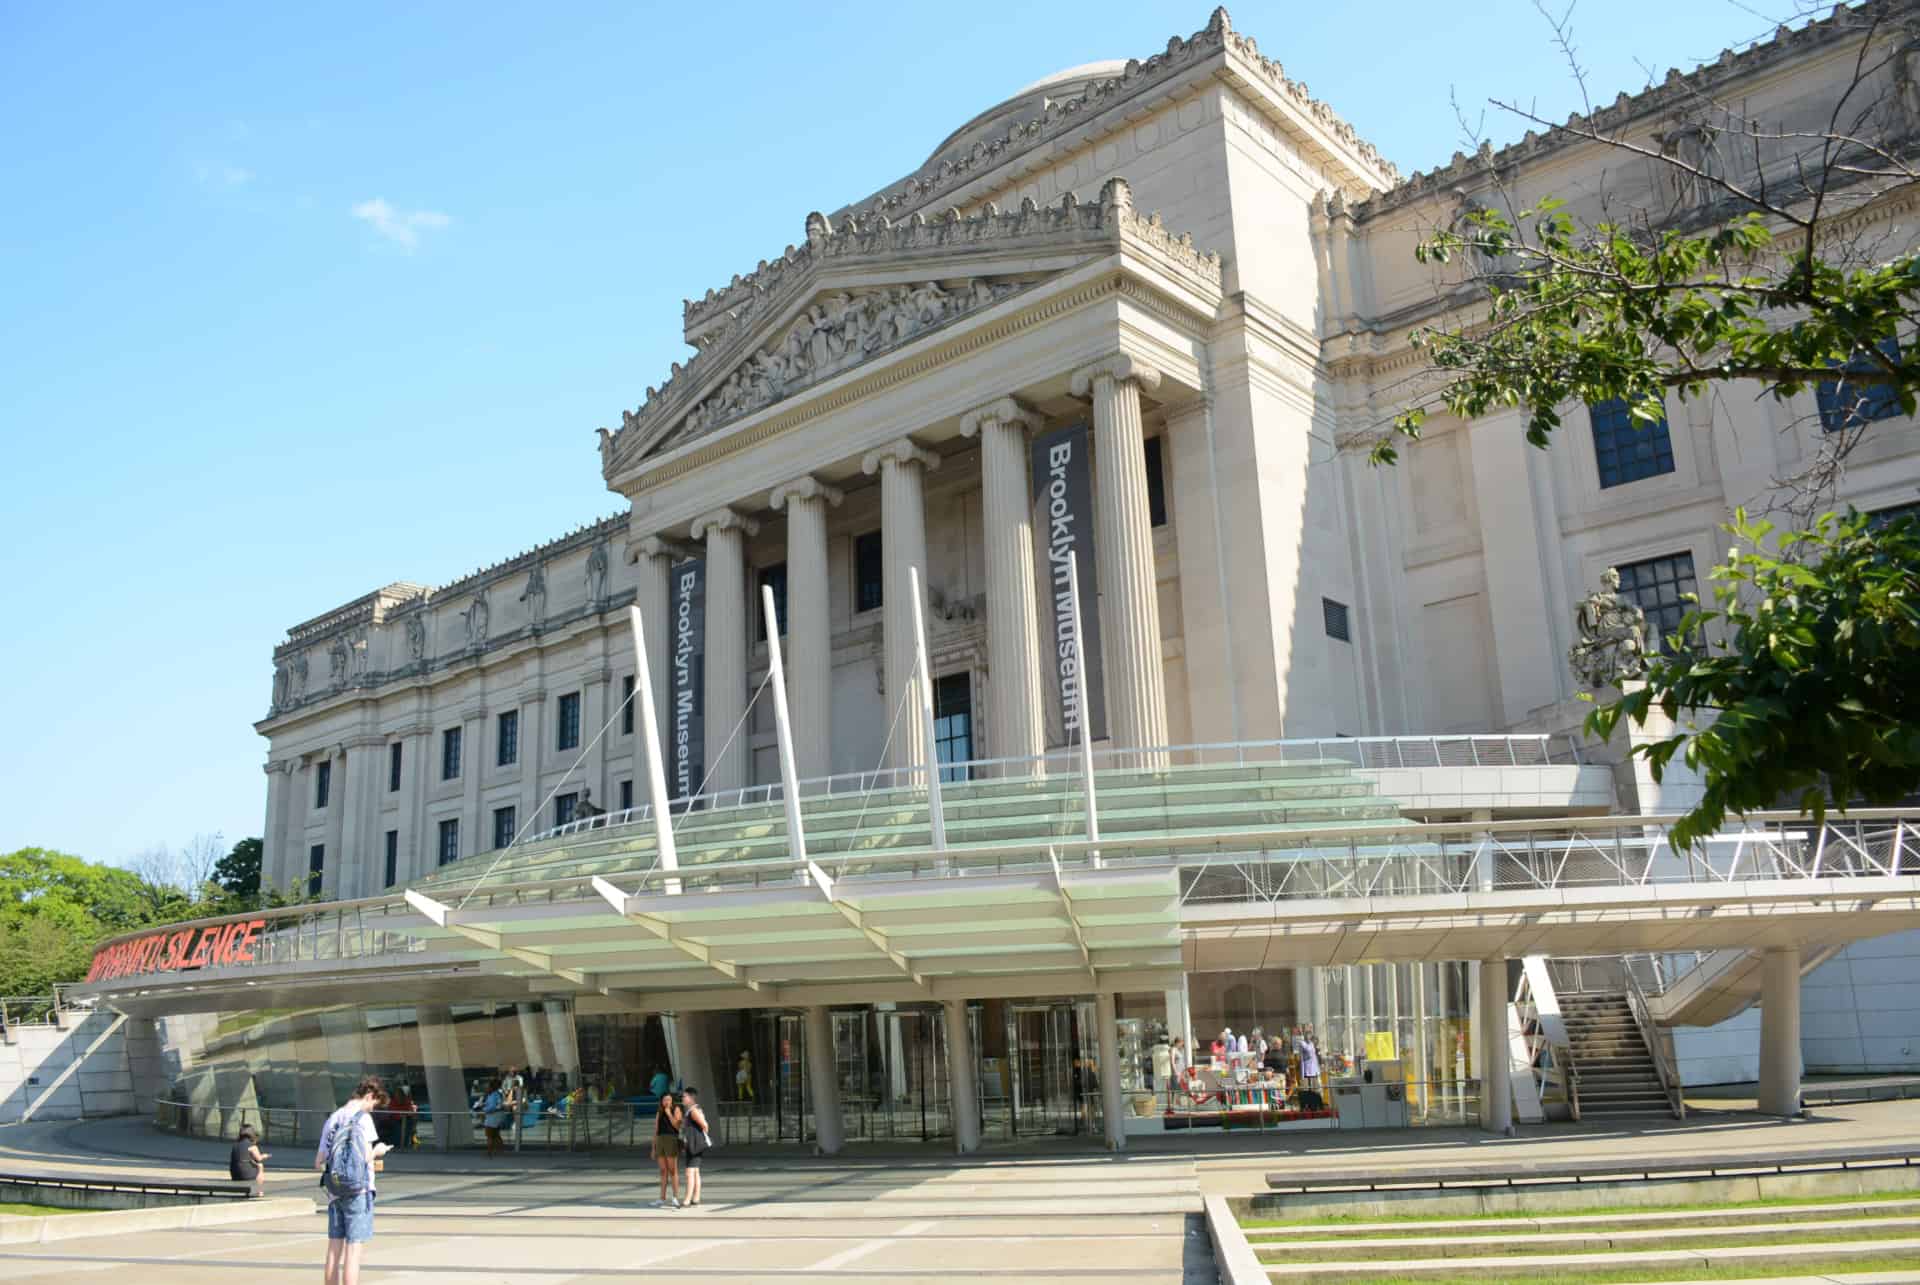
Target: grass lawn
point(34, 1211)
point(1338, 1220)
point(1621, 1276)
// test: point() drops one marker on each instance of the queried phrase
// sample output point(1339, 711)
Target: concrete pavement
point(777, 1215)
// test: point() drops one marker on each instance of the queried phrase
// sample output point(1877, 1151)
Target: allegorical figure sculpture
point(1612, 644)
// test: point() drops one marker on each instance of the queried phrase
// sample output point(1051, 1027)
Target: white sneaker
point(676, 1202)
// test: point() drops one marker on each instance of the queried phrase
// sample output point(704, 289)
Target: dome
point(1027, 103)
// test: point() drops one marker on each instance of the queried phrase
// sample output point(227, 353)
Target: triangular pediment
point(856, 293)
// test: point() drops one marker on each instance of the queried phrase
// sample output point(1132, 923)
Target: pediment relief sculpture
point(821, 337)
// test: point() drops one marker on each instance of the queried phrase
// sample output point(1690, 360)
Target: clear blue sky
point(298, 300)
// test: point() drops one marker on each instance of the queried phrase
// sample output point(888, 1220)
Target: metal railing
point(40, 1010)
point(1651, 1035)
point(1655, 974)
point(1363, 753)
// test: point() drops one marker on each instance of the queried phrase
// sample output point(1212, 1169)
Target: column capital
point(288, 766)
point(1120, 368)
point(722, 519)
point(804, 488)
point(904, 451)
point(1006, 410)
point(653, 546)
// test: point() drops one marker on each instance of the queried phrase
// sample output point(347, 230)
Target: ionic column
point(1129, 602)
point(1013, 629)
point(809, 654)
point(725, 532)
point(653, 560)
point(902, 467)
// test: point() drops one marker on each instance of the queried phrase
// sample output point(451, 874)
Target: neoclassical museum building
point(1131, 318)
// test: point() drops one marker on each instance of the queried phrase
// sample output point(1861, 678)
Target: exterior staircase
point(1618, 1076)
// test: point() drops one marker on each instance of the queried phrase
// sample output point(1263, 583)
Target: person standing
point(494, 1117)
point(350, 1218)
point(666, 1150)
point(695, 1140)
point(248, 1163)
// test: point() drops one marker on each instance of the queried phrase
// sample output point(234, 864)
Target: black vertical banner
point(1063, 529)
point(686, 734)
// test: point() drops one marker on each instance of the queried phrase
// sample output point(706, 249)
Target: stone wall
point(74, 1070)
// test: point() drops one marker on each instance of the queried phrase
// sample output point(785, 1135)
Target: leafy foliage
point(238, 873)
point(1618, 311)
point(1810, 662)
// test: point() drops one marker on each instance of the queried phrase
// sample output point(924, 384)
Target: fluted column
point(1013, 628)
point(653, 560)
point(726, 532)
point(1129, 601)
point(902, 467)
point(809, 653)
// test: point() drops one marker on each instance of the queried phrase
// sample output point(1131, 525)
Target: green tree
point(55, 906)
point(238, 873)
point(1734, 269)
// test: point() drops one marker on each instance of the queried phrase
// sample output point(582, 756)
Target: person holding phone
point(666, 1149)
point(350, 1222)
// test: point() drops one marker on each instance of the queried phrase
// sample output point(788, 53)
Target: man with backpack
point(350, 1150)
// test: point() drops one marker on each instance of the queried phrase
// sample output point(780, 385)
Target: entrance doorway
point(1051, 1046)
point(894, 1078)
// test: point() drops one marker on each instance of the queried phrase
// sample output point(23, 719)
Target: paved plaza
point(545, 1219)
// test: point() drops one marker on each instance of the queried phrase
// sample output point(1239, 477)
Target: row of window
point(1626, 452)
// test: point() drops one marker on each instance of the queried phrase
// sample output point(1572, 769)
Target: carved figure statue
point(476, 617)
point(597, 573)
point(1612, 645)
point(299, 676)
point(1691, 148)
point(417, 636)
point(535, 595)
point(282, 685)
point(1906, 81)
point(338, 660)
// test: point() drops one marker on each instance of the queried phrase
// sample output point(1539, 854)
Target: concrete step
point(1654, 1217)
point(1546, 1265)
point(1703, 1234)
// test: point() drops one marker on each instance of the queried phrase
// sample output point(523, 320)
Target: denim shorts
point(351, 1220)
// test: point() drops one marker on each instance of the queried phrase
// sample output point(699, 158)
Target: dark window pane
point(1884, 518)
point(569, 722)
point(564, 808)
point(316, 868)
point(626, 794)
point(393, 768)
point(627, 702)
point(507, 738)
point(1626, 450)
point(1336, 618)
point(868, 573)
point(774, 577)
point(503, 826)
point(1156, 483)
point(1850, 405)
point(393, 857)
point(953, 723)
point(450, 754)
point(449, 840)
point(1658, 586)
point(322, 782)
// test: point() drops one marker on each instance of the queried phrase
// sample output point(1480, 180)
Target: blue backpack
point(349, 1173)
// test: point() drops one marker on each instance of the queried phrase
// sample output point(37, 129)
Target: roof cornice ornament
point(844, 329)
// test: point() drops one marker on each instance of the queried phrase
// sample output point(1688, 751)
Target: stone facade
point(1207, 268)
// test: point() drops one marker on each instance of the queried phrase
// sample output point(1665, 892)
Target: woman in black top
point(666, 1150)
point(247, 1163)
